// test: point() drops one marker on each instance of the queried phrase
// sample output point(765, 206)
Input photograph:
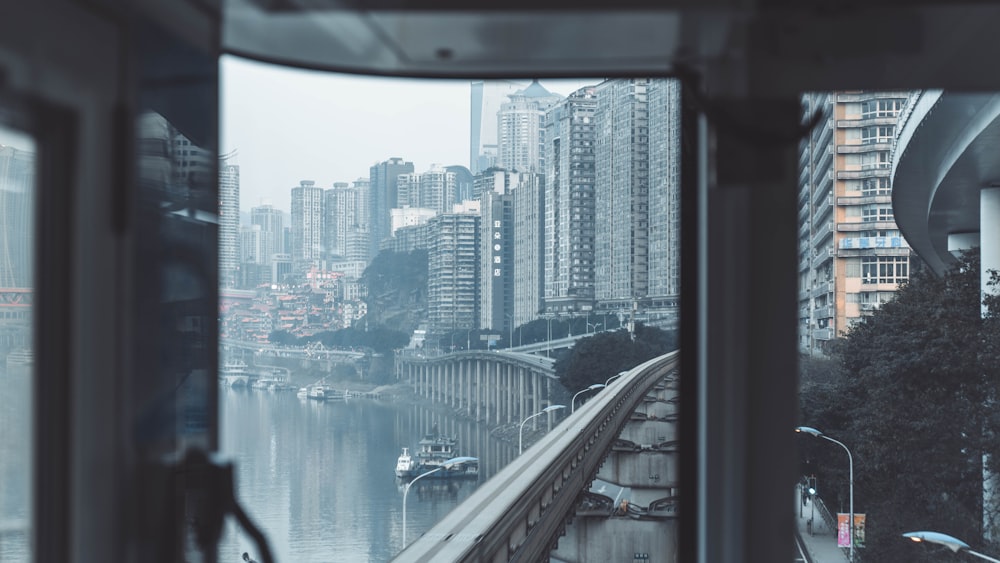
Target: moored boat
point(234, 374)
point(434, 451)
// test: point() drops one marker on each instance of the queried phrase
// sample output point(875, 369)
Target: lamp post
point(510, 339)
point(447, 464)
point(548, 333)
point(850, 461)
point(520, 432)
point(952, 543)
point(591, 388)
point(595, 325)
point(614, 377)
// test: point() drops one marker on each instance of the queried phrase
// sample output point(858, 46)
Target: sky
point(287, 125)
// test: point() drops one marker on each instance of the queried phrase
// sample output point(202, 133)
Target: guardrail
point(519, 514)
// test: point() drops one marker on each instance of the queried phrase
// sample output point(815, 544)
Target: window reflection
point(17, 186)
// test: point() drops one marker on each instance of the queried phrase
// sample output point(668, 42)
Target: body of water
point(318, 478)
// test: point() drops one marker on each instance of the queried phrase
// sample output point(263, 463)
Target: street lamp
point(520, 432)
point(510, 339)
point(591, 388)
point(595, 325)
point(548, 334)
point(850, 461)
point(447, 464)
point(952, 543)
point(614, 377)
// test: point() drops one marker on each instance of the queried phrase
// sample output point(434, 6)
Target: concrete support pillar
point(479, 390)
point(497, 404)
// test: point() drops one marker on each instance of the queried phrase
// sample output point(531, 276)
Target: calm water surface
point(318, 477)
point(15, 462)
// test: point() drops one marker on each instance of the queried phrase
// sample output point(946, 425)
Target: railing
point(520, 513)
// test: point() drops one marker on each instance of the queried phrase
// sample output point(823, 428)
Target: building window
point(876, 186)
point(884, 269)
point(877, 213)
point(881, 108)
point(878, 134)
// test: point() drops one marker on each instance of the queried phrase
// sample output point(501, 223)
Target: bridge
point(625, 437)
point(300, 352)
point(499, 387)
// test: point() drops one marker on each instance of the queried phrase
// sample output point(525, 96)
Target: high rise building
point(622, 193)
point(271, 222)
point(852, 256)
point(229, 224)
point(433, 189)
point(521, 129)
point(664, 194)
point(529, 232)
point(463, 182)
point(453, 272)
point(307, 226)
point(569, 216)
point(496, 300)
point(486, 98)
point(17, 182)
point(382, 197)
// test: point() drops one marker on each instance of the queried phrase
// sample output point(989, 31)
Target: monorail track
point(520, 513)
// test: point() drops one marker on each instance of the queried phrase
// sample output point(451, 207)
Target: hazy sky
point(289, 125)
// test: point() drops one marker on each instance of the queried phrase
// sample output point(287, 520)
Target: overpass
point(299, 352)
point(499, 387)
point(626, 432)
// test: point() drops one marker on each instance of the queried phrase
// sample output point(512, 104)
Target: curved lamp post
point(850, 461)
point(614, 377)
point(520, 432)
point(446, 465)
point(591, 388)
point(950, 542)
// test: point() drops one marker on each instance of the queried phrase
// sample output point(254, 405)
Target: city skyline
point(290, 125)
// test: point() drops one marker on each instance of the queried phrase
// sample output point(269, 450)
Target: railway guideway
point(552, 502)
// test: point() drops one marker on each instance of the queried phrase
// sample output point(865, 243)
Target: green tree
point(596, 358)
point(911, 404)
point(282, 338)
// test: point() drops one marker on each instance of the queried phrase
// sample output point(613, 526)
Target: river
point(318, 477)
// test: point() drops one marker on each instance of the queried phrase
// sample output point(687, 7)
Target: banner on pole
point(844, 530)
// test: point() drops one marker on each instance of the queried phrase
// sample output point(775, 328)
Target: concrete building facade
point(382, 197)
point(852, 256)
point(521, 129)
point(485, 100)
point(664, 195)
point(307, 225)
point(453, 272)
point(229, 224)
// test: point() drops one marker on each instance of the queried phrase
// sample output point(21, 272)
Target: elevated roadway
point(520, 514)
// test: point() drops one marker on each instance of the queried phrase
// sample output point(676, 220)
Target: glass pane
point(17, 187)
point(414, 240)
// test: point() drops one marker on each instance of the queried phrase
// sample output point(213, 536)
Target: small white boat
point(303, 393)
point(317, 393)
point(406, 466)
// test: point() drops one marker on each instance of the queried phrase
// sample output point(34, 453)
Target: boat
point(406, 466)
point(317, 393)
point(434, 450)
point(277, 381)
point(234, 374)
point(303, 393)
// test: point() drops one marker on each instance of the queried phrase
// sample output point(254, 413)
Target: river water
point(318, 478)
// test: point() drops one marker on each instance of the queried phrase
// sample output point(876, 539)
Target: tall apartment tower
point(529, 250)
point(852, 256)
point(229, 224)
point(433, 189)
point(382, 197)
point(345, 234)
point(503, 238)
point(17, 181)
point(622, 193)
point(664, 194)
point(569, 199)
point(486, 98)
point(272, 229)
point(453, 272)
point(307, 225)
point(521, 129)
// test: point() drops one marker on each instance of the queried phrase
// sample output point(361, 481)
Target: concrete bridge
point(601, 486)
point(497, 387)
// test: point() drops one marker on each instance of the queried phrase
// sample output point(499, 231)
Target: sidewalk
point(822, 542)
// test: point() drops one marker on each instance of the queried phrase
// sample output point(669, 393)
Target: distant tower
point(229, 224)
point(487, 96)
point(272, 229)
point(382, 197)
point(307, 225)
point(664, 193)
point(570, 139)
point(521, 129)
point(621, 232)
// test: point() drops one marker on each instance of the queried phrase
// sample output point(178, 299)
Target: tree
point(596, 358)
point(911, 404)
point(282, 338)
